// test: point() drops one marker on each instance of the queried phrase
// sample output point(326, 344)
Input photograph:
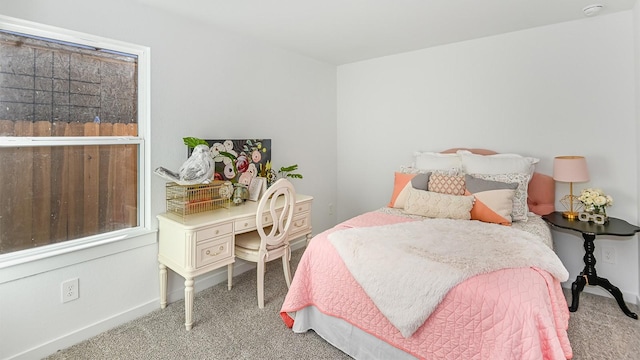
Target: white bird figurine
point(198, 169)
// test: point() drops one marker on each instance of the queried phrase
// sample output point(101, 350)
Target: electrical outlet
point(330, 209)
point(609, 254)
point(70, 290)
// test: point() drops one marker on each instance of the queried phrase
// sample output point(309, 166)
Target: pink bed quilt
point(506, 314)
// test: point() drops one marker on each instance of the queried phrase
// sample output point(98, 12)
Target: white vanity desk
point(204, 242)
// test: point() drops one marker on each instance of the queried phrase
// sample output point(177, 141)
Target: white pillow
point(436, 205)
point(436, 161)
point(497, 164)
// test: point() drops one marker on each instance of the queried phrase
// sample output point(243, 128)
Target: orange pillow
point(401, 185)
point(494, 200)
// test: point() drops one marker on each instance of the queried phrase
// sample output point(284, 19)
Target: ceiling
point(345, 31)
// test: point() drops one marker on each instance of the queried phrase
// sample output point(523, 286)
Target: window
point(73, 132)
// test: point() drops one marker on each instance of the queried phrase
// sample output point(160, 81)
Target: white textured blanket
point(408, 268)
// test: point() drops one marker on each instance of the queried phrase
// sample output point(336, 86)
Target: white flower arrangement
point(595, 200)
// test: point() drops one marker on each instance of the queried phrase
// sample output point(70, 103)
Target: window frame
point(24, 257)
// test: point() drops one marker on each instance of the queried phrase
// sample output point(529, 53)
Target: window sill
point(35, 262)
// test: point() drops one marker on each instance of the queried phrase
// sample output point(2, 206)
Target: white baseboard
point(79, 335)
point(86, 332)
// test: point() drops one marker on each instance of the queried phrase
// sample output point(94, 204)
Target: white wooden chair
point(271, 240)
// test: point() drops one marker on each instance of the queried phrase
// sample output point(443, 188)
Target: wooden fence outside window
point(52, 194)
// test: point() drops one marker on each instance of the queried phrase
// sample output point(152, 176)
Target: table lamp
point(570, 169)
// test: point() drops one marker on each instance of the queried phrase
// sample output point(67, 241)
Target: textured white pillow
point(497, 164)
point(436, 205)
point(407, 169)
point(436, 161)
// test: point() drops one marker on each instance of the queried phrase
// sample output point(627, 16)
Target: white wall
point(565, 89)
point(560, 89)
point(205, 83)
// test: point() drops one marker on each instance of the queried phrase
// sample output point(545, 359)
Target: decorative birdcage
point(184, 200)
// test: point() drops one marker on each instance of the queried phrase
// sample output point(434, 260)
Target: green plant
point(286, 171)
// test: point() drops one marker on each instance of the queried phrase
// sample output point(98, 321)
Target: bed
point(409, 281)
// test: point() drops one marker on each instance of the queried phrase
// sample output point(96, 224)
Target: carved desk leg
point(229, 276)
point(163, 286)
point(188, 303)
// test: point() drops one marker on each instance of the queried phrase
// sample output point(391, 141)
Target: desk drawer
point(302, 218)
point(214, 231)
point(249, 224)
point(301, 223)
point(209, 252)
point(302, 207)
point(244, 225)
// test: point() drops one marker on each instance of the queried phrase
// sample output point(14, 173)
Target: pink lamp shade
point(570, 169)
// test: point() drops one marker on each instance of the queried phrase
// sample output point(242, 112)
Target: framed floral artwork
point(240, 160)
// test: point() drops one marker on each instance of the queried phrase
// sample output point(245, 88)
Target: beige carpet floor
point(229, 325)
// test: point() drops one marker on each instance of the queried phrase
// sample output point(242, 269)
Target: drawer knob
point(215, 253)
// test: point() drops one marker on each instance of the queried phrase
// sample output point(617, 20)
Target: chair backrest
point(281, 192)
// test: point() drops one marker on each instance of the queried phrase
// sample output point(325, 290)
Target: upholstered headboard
point(541, 194)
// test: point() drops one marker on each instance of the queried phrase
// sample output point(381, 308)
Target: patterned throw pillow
point(407, 169)
point(446, 184)
point(436, 205)
point(494, 200)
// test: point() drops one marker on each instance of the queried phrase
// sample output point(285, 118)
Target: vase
point(272, 176)
point(240, 194)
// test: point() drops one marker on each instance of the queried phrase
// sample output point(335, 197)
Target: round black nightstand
point(588, 276)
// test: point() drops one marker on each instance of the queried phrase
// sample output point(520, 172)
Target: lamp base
point(570, 215)
point(572, 207)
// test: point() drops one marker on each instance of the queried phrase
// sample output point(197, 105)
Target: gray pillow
point(475, 185)
point(421, 181)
